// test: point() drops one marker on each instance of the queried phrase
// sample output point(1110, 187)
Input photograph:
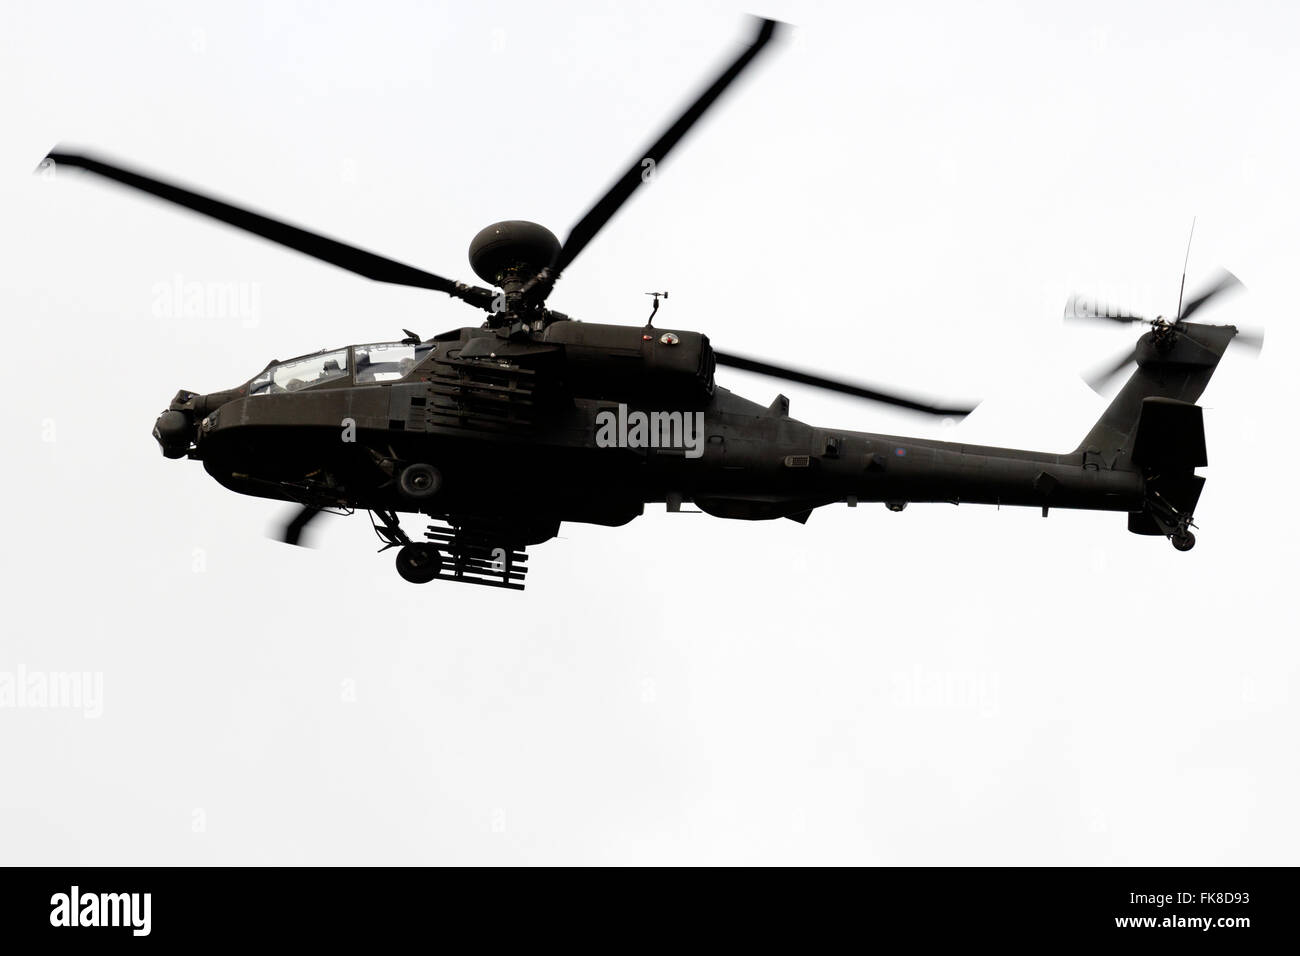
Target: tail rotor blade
point(1251, 338)
point(1225, 282)
point(1077, 307)
point(1100, 378)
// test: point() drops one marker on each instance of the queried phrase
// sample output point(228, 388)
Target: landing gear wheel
point(419, 482)
point(1184, 542)
point(419, 563)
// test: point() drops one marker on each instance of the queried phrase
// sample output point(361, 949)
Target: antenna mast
point(1181, 285)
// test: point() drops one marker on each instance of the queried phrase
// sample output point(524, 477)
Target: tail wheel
point(419, 563)
point(419, 482)
point(1184, 542)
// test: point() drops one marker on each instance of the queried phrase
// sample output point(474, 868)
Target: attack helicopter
point(497, 433)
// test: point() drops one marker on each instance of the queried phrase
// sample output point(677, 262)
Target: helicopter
point(498, 433)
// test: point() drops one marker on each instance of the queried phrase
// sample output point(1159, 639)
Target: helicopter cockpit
point(388, 361)
point(374, 363)
point(301, 373)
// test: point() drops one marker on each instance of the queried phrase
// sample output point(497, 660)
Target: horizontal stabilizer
point(1170, 434)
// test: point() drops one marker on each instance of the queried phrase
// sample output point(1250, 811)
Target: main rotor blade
point(363, 263)
point(1098, 379)
point(834, 385)
point(1224, 283)
point(294, 528)
point(1077, 307)
point(598, 215)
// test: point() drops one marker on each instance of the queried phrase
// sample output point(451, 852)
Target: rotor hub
point(508, 254)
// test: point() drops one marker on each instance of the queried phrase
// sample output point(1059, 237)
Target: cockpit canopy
point(373, 363)
point(387, 361)
point(301, 373)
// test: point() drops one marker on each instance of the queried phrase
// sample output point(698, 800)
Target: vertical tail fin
point(1154, 426)
point(1177, 369)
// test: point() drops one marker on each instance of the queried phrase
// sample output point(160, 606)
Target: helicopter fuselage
point(589, 423)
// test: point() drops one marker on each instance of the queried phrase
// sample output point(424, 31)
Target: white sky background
point(905, 197)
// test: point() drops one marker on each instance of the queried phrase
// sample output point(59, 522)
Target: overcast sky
point(903, 194)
